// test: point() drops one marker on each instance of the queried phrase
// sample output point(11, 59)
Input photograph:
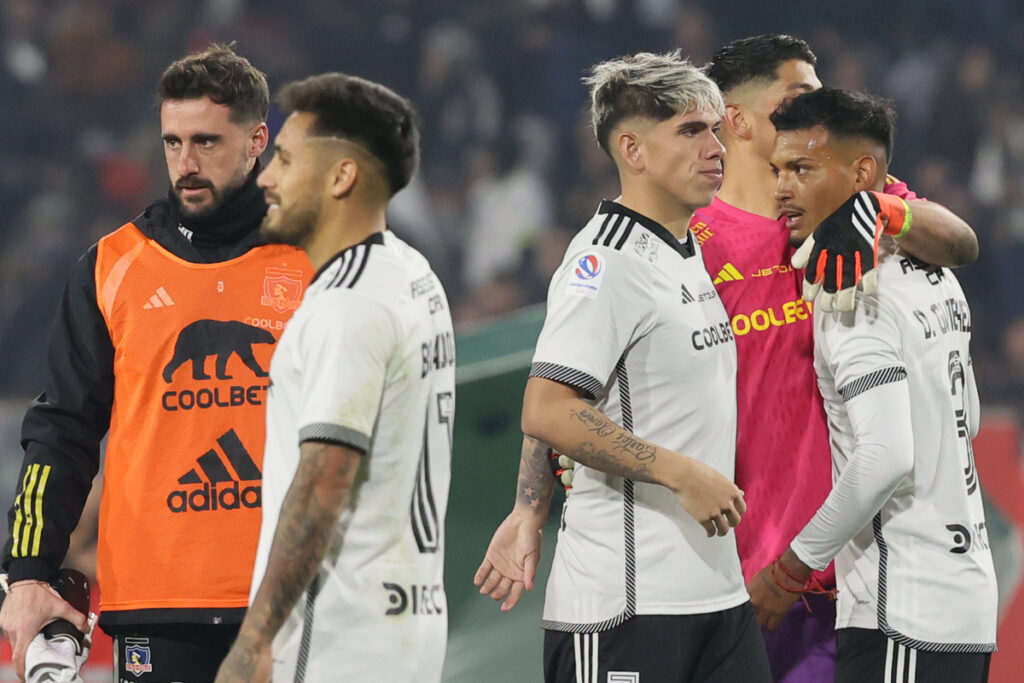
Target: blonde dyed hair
point(654, 86)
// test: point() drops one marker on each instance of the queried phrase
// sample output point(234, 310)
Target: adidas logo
point(728, 273)
point(220, 490)
point(159, 300)
point(686, 296)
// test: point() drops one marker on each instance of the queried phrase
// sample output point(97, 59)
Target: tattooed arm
point(555, 414)
point(306, 527)
point(511, 560)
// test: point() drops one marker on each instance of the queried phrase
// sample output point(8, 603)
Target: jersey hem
point(174, 615)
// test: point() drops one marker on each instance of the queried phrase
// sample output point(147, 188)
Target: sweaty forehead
point(804, 142)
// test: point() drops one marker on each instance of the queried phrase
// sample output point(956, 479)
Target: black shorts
point(171, 653)
point(721, 646)
point(868, 656)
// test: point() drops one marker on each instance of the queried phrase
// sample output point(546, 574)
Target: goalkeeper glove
point(843, 251)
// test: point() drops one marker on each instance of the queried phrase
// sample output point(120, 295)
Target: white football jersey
point(921, 571)
point(368, 360)
point(634, 323)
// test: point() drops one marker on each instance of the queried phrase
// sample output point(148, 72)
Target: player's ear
point(628, 145)
point(341, 178)
point(736, 121)
point(259, 137)
point(866, 173)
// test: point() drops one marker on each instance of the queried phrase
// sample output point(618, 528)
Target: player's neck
point(342, 230)
point(658, 206)
point(748, 184)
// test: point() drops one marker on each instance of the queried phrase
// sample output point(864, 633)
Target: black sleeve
point(62, 432)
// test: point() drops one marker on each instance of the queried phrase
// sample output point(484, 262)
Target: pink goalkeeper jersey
point(783, 461)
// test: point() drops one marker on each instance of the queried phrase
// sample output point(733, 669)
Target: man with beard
point(143, 312)
point(348, 584)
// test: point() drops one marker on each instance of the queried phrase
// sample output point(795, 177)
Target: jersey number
point(426, 527)
point(958, 386)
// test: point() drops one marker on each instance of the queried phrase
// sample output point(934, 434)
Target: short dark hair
point(362, 111)
point(222, 75)
point(755, 58)
point(843, 113)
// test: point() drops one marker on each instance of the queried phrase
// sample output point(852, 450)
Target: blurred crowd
point(510, 168)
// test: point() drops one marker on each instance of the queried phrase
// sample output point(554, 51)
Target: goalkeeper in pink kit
point(782, 455)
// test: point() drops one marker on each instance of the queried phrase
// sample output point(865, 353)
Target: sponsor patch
point(586, 276)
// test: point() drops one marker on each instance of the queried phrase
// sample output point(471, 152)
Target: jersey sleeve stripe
point(365, 254)
point(625, 234)
point(335, 434)
point(604, 226)
point(41, 490)
point(871, 380)
point(574, 378)
point(21, 513)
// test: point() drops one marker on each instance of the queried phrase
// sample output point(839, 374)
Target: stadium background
point(509, 171)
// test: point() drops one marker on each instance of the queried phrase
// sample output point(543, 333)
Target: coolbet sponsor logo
point(712, 336)
point(415, 599)
point(223, 339)
point(220, 490)
point(764, 318)
point(265, 323)
point(235, 395)
point(586, 276)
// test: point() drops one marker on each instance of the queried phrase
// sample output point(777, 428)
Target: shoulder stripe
point(346, 263)
point(871, 380)
point(362, 265)
point(625, 234)
point(353, 270)
point(615, 228)
point(574, 378)
point(604, 226)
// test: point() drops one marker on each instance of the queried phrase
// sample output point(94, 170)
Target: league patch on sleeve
point(586, 276)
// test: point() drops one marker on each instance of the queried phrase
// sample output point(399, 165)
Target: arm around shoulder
point(938, 236)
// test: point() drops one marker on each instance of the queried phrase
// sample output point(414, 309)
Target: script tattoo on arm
point(305, 530)
point(536, 480)
point(615, 450)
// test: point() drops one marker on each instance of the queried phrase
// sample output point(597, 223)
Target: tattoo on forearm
point(536, 480)
point(594, 456)
point(623, 442)
point(627, 444)
point(304, 531)
point(595, 423)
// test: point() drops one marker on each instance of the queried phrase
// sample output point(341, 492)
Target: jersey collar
point(683, 247)
point(375, 238)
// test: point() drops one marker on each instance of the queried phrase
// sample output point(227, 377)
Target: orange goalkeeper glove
point(843, 251)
